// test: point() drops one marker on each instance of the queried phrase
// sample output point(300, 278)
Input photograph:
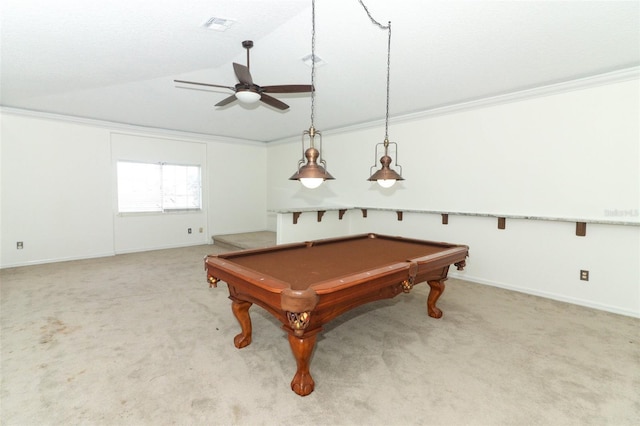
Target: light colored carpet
point(140, 339)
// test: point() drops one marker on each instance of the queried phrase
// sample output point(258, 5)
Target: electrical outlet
point(584, 275)
point(19, 245)
point(201, 230)
point(188, 230)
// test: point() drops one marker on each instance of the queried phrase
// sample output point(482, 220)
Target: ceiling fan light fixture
point(247, 92)
point(247, 96)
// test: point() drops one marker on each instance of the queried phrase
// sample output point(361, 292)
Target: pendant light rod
point(313, 60)
point(386, 118)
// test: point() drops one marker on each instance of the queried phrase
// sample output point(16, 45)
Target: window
point(147, 187)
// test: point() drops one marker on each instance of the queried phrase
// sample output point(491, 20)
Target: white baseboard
point(548, 295)
point(55, 260)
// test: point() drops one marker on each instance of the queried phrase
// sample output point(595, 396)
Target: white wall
point(541, 257)
point(572, 154)
point(58, 189)
point(568, 154)
point(237, 188)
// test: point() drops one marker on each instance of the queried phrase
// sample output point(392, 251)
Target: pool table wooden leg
point(437, 287)
point(302, 382)
point(240, 310)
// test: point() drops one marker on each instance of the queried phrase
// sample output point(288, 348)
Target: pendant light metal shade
point(312, 169)
point(313, 172)
point(386, 176)
point(385, 172)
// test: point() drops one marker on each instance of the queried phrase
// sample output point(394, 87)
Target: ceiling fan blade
point(288, 88)
point(226, 101)
point(269, 100)
point(243, 74)
point(205, 84)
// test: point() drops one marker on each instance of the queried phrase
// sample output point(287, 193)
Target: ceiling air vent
point(308, 61)
point(218, 24)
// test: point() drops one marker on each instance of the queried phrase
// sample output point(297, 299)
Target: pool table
point(305, 285)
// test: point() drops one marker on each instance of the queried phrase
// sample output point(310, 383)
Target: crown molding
point(115, 127)
point(548, 90)
point(618, 76)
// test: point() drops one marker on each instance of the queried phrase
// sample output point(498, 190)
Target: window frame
point(162, 208)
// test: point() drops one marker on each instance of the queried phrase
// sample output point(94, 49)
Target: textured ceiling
point(116, 60)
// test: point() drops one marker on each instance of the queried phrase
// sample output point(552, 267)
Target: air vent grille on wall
point(218, 24)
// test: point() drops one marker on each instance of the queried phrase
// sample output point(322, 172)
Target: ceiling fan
point(247, 91)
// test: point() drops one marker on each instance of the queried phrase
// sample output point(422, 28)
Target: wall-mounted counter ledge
point(398, 212)
point(320, 211)
point(581, 224)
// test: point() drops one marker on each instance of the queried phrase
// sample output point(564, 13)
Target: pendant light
point(386, 176)
point(314, 172)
